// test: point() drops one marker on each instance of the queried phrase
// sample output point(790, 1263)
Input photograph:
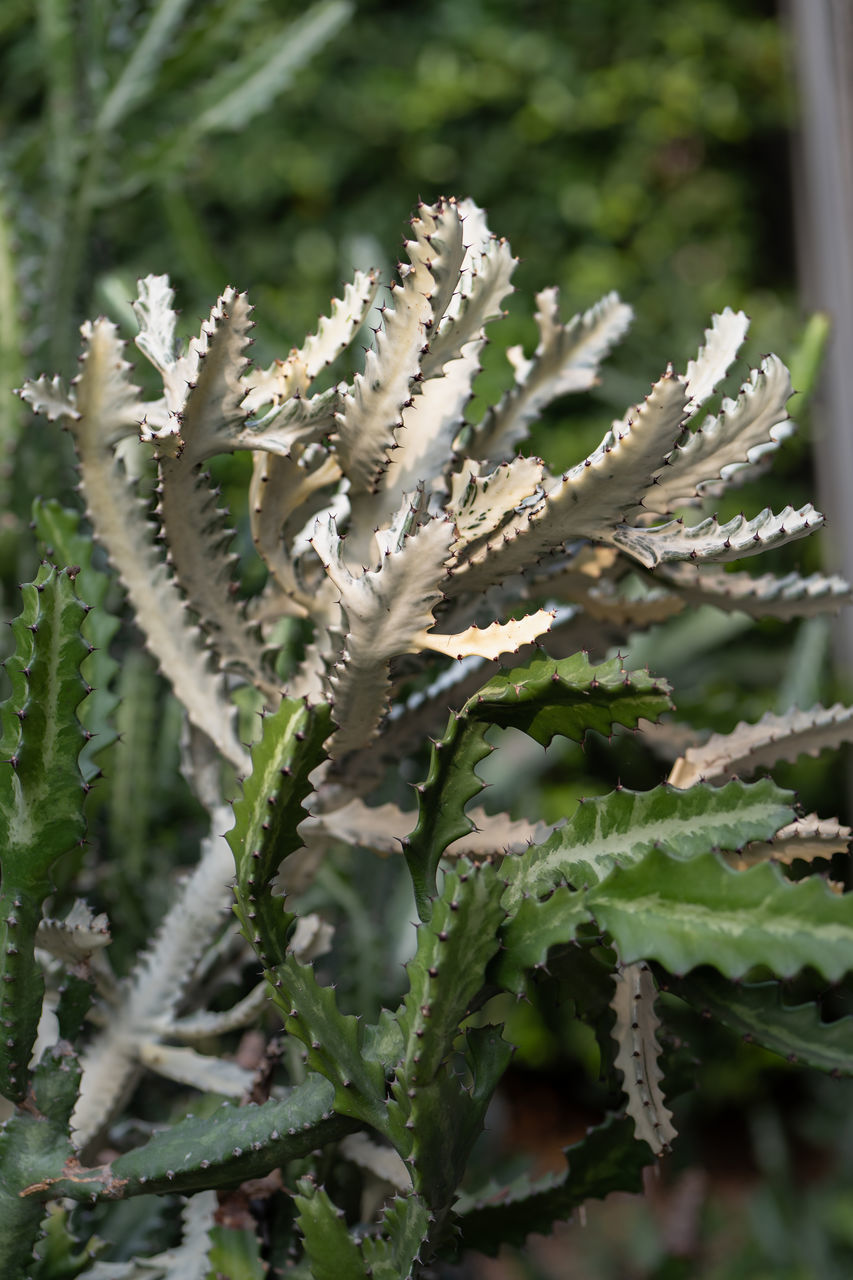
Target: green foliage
point(266, 818)
point(65, 543)
point(702, 912)
point(607, 1159)
point(620, 829)
point(249, 1142)
point(330, 1249)
point(41, 797)
point(759, 1011)
point(546, 698)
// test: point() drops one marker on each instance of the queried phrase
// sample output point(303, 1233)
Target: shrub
point(416, 565)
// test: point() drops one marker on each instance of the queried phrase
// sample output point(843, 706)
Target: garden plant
point(426, 587)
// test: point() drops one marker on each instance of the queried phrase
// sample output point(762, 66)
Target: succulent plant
point(436, 583)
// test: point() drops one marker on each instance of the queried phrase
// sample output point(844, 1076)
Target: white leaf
point(591, 500)
point(203, 1025)
point(383, 1162)
point(763, 595)
point(806, 838)
point(637, 1058)
point(487, 642)
point(429, 425)
point(76, 937)
point(384, 827)
point(484, 282)
point(213, 410)
point(156, 317)
point(384, 609)
point(49, 396)
point(722, 342)
point(771, 739)
point(336, 331)
point(371, 412)
point(732, 442)
point(201, 1070)
point(479, 504)
point(284, 379)
point(146, 1003)
point(566, 360)
point(110, 410)
point(717, 542)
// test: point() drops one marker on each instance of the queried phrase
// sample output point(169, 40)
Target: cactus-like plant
point(398, 539)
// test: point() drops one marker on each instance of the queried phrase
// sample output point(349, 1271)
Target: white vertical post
point(822, 47)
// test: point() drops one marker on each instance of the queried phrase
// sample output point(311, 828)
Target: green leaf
point(433, 1117)
point(402, 1232)
point(243, 90)
point(58, 530)
point(437, 1124)
point(266, 817)
point(448, 968)
point(543, 698)
point(333, 1253)
point(530, 932)
point(620, 828)
point(34, 1146)
point(758, 1012)
point(59, 1254)
point(11, 355)
point(548, 697)
point(139, 74)
point(383, 1041)
point(41, 797)
point(27, 1147)
point(236, 1253)
point(40, 783)
point(607, 1159)
point(686, 914)
point(196, 1154)
point(450, 784)
point(335, 1042)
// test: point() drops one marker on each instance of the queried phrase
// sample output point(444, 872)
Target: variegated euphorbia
point(397, 528)
point(399, 539)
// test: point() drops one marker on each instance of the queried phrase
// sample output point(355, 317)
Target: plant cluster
point(425, 583)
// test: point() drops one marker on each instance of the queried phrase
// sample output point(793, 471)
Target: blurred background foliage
point(275, 146)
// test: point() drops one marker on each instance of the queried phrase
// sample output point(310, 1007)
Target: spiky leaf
point(197, 1153)
point(108, 411)
point(712, 541)
point(58, 529)
point(544, 698)
point(437, 1124)
point(722, 342)
point(531, 930)
point(637, 1058)
point(448, 968)
point(771, 739)
point(762, 595)
point(386, 610)
point(607, 1159)
point(41, 796)
point(758, 1012)
point(725, 445)
point(702, 912)
point(566, 360)
point(618, 829)
point(332, 1252)
point(267, 815)
point(403, 1230)
point(335, 1043)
